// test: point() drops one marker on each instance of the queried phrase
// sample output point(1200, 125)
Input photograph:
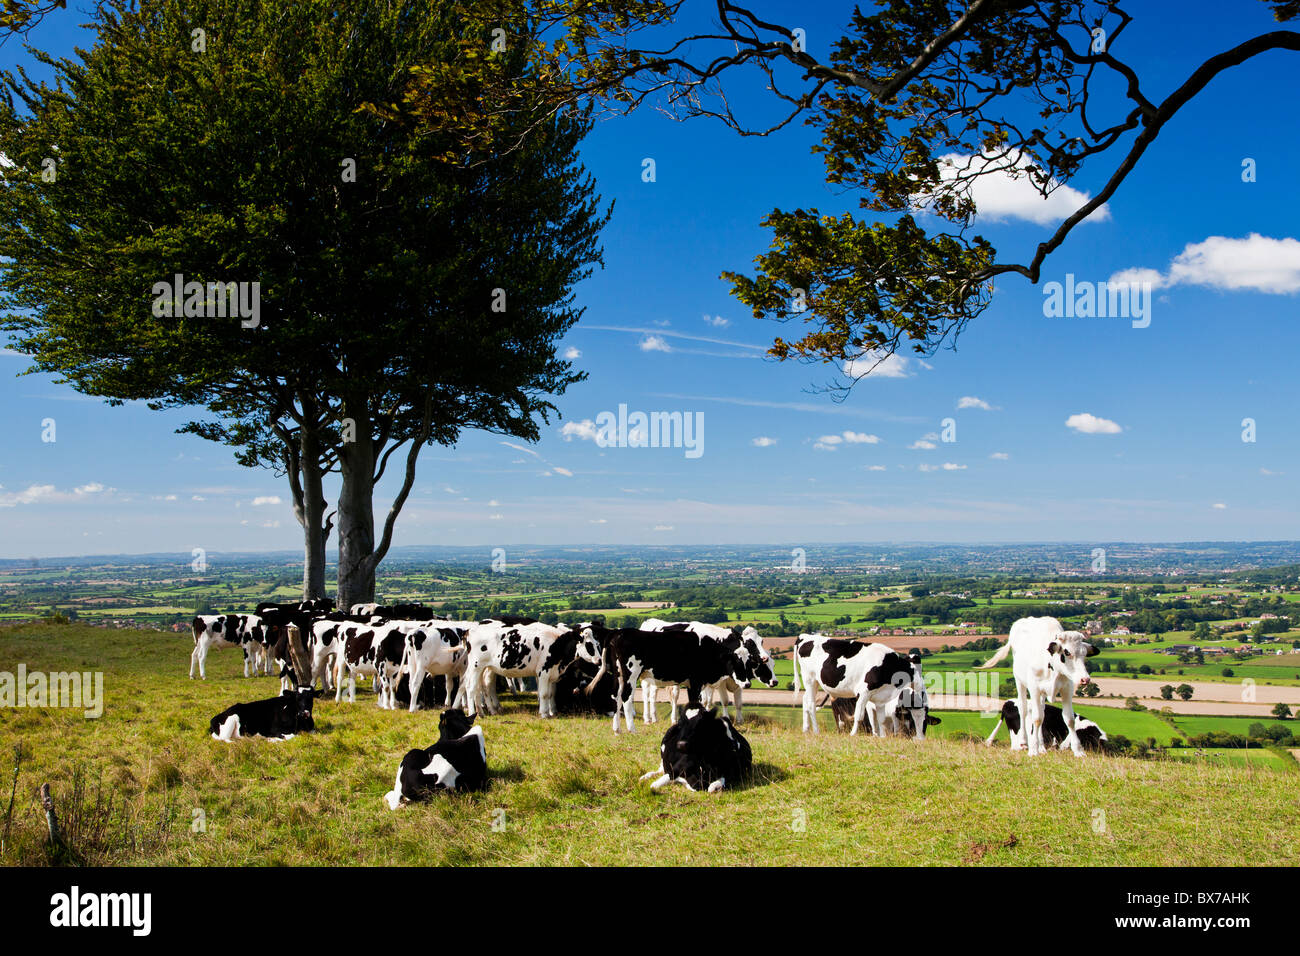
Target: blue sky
point(662, 334)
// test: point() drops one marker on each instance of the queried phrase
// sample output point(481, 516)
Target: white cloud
point(571, 353)
point(562, 471)
point(946, 466)
point(1000, 456)
point(197, 498)
point(875, 468)
point(970, 401)
point(494, 503)
point(921, 444)
point(270, 524)
point(1090, 424)
point(39, 494)
point(762, 441)
point(655, 343)
point(1265, 471)
point(877, 365)
point(717, 321)
point(585, 429)
point(598, 521)
point(1256, 263)
point(861, 438)
point(663, 527)
point(495, 517)
point(1219, 506)
point(266, 500)
point(1006, 192)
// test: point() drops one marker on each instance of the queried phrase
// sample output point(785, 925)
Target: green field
point(565, 791)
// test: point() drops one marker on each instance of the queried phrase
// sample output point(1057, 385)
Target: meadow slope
point(565, 791)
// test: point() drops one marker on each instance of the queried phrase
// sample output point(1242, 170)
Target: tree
point(1184, 691)
point(915, 103)
point(19, 16)
point(1167, 692)
point(1281, 711)
point(402, 297)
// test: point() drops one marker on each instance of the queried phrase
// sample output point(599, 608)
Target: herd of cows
point(420, 661)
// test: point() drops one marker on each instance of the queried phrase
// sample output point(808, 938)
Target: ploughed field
point(145, 783)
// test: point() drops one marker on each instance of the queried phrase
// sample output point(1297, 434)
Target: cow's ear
point(1053, 647)
point(1092, 649)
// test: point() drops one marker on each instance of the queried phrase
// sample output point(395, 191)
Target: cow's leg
point(809, 706)
point(414, 680)
point(544, 692)
point(467, 685)
point(859, 709)
point(195, 657)
point(674, 696)
point(1071, 738)
point(739, 689)
point(648, 692)
point(1026, 718)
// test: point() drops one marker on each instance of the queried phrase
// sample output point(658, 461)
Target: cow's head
point(298, 704)
point(454, 724)
point(760, 665)
point(1066, 653)
point(913, 700)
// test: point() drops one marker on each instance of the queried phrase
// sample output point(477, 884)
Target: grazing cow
point(434, 648)
point(747, 644)
point(1055, 732)
point(277, 718)
point(314, 606)
point(433, 693)
point(1049, 660)
point(374, 651)
point(665, 657)
point(529, 650)
point(702, 751)
point(458, 761)
point(215, 631)
point(877, 675)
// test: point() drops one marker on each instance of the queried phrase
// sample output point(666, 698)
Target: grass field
point(565, 791)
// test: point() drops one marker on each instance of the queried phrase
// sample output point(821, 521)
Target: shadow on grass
point(509, 772)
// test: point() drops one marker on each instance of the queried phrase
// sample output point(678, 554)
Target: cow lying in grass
point(1055, 732)
point(277, 718)
point(702, 751)
point(457, 761)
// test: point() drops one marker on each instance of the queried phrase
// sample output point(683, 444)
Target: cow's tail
point(197, 627)
point(999, 657)
point(989, 742)
point(794, 662)
point(604, 668)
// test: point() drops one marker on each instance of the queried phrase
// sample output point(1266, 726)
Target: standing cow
point(746, 644)
point(534, 650)
point(216, 631)
point(877, 675)
point(1049, 661)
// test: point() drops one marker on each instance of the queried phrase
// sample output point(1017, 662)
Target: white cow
point(879, 677)
point(1049, 660)
point(749, 648)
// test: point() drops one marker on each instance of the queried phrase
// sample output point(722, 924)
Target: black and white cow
point(434, 648)
point(433, 693)
point(746, 643)
point(572, 696)
point(534, 650)
point(877, 675)
point(458, 761)
point(375, 651)
point(217, 631)
point(843, 709)
point(702, 751)
point(277, 718)
point(1055, 732)
point(665, 657)
point(394, 612)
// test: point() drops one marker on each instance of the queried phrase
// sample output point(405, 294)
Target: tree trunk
point(357, 515)
point(315, 530)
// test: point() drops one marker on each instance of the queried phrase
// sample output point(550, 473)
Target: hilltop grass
point(565, 791)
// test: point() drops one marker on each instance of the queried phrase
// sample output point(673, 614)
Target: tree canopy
point(402, 298)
